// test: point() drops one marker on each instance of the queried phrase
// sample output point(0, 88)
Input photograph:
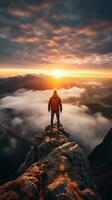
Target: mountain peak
point(54, 168)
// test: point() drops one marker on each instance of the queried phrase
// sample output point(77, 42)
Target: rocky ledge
point(55, 168)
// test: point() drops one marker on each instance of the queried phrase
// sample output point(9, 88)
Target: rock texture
point(101, 166)
point(55, 168)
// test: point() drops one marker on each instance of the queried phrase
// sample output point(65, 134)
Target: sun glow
point(58, 73)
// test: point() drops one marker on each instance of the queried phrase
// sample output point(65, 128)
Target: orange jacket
point(55, 104)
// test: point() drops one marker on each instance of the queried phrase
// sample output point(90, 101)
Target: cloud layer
point(30, 115)
point(73, 33)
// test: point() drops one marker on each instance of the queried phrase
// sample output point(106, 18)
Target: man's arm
point(60, 104)
point(49, 105)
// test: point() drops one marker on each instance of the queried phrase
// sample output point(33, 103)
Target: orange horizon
point(56, 72)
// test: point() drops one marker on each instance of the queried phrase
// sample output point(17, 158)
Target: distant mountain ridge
point(34, 82)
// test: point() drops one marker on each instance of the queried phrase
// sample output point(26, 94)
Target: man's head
point(55, 92)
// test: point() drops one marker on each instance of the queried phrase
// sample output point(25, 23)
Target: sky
point(45, 35)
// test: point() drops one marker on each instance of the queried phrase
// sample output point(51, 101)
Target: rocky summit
point(55, 168)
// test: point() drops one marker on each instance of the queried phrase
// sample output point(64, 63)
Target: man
point(55, 106)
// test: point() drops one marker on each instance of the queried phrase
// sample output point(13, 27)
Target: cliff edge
point(55, 168)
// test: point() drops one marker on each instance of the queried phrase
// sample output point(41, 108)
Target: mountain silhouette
point(101, 166)
point(31, 82)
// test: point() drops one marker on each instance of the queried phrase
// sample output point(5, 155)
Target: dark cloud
point(75, 31)
point(96, 9)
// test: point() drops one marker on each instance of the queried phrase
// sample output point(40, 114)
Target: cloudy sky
point(46, 35)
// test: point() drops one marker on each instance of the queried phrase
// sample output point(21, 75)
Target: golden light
point(58, 73)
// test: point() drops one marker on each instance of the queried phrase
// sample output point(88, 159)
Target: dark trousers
point(58, 118)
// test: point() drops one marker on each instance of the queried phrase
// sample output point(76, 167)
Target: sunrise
point(55, 99)
point(51, 35)
point(57, 73)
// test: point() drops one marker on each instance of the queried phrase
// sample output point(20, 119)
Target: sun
point(58, 73)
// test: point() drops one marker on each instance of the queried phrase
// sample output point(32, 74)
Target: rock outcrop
point(101, 166)
point(55, 168)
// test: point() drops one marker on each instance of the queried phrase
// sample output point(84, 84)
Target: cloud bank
point(74, 33)
point(30, 115)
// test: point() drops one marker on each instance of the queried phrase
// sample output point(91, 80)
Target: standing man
point(55, 106)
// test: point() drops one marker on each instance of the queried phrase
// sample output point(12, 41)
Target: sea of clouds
point(31, 115)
